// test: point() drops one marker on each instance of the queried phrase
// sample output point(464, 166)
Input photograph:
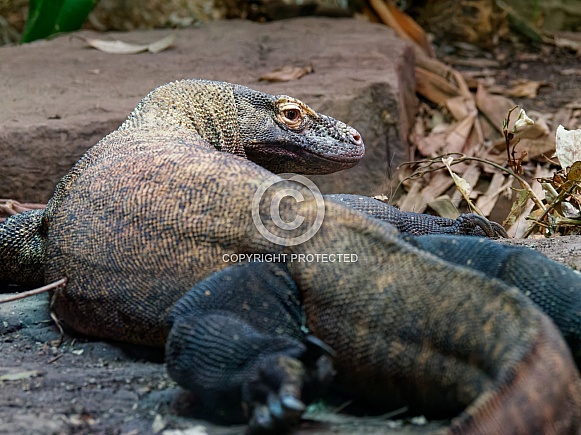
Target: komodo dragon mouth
point(287, 158)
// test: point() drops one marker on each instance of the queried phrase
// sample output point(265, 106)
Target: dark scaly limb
point(236, 342)
point(418, 223)
point(22, 248)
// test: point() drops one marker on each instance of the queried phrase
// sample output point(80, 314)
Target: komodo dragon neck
point(206, 108)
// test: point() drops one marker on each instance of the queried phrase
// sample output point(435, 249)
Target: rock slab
point(60, 97)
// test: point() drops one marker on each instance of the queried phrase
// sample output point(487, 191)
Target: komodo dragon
point(153, 208)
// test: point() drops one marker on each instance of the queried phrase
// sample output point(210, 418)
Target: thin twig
point(59, 356)
point(48, 287)
point(462, 158)
point(551, 207)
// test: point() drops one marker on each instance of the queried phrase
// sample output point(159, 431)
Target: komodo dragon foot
point(276, 396)
point(419, 224)
point(236, 342)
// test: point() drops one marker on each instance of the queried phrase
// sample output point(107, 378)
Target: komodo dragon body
point(156, 206)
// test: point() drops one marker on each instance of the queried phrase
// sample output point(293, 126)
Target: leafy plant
point(46, 17)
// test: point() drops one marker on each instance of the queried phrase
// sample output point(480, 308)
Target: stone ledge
point(59, 97)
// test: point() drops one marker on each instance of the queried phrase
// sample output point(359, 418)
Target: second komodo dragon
point(159, 204)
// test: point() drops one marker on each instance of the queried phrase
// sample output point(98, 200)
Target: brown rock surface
point(60, 97)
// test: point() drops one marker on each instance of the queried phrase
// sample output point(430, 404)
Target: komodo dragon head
point(279, 133)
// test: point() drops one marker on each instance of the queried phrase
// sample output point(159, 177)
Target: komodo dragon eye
point(292, 112)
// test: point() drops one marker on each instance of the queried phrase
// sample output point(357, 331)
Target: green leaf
point(46, 17)
point(73, 14)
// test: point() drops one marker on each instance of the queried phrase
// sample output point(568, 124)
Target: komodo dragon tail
point(543, 381)
point(411, 329)
point(553, 287)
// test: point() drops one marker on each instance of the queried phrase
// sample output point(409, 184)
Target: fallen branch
point(46, 288)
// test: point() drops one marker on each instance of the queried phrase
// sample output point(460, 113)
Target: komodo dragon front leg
point(468, 224)
point(253, 313)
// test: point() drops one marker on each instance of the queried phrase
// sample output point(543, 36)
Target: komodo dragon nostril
point(355, 136)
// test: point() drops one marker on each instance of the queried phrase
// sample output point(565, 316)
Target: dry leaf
point(574, 173)
point(472, 63)
point(417, 198)
point(568, 146)
point(402, 24)
point(431, 145)
point(494, 107)
point(462, 185)
point(471, 176)
point(120, 47)
point(162, 44)
point(158, 424)
point(10, 207)
point(568, 43)
point(569, 210)
point(195, 430)
point(444, 207)
point(521, 223)
point(456, 138)
point(525, 89)
point(570, 72)
point(287, 73)
point(497, 185)
point(19, 376)
point(434, 87)
point(460, 107)
point(522, 124)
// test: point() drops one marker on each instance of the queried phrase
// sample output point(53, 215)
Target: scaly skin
point(420, 224)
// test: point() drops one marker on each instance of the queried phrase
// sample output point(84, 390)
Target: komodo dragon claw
point(278, 395)
point(274, 397)
point(476, 225)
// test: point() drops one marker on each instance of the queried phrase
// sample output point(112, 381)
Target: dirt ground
point(86, 387)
